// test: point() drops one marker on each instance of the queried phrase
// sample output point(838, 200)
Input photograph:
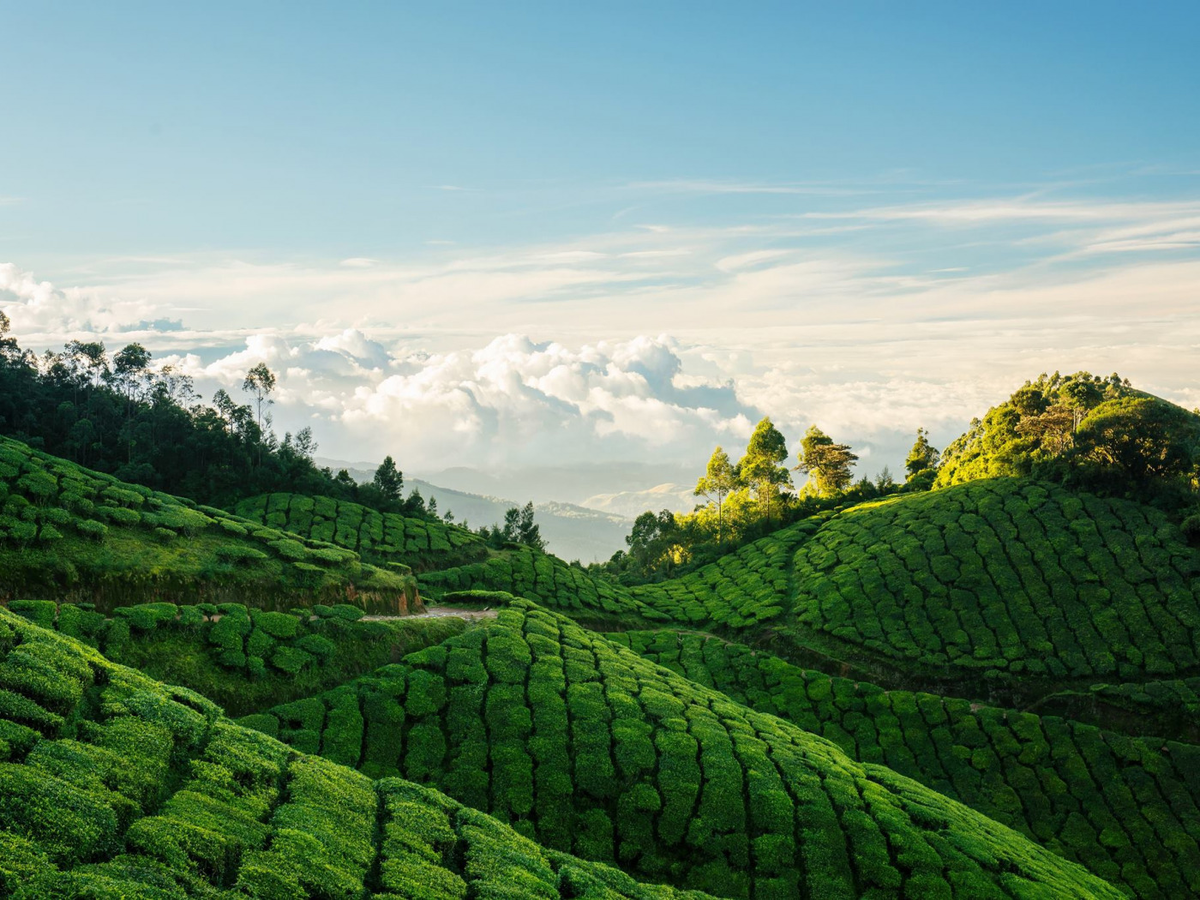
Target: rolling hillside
point(381, 538)
point(67, 533)
point(1124, 807)
point(115, 786)
point(587, 748)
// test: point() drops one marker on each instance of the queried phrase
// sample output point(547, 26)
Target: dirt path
point(438, 612)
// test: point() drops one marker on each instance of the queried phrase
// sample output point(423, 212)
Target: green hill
point(115, 786)
point(745, 589)
point(380, 538)
point(244, 659)
point(68, 533)
point(1004, 576)
point(1124, 807)
point(545, 579)
point(590, 749)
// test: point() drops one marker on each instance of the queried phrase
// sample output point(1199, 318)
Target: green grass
point(1006, 576)
point(589, 749)
point(242, 658)
point(380, 538)
point(115, 786)
point(1124, 807)
point(68, 533)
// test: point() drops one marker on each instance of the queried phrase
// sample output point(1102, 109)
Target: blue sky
point(876, 215)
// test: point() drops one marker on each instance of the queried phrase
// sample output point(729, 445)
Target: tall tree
point(388, 480)
point(922, 456)
point(763, 465)
point(826, 463)
point(716, 483)
point(528, 532)
point(260, 384)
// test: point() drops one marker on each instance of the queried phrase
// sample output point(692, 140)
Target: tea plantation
point(69, 533)
point(1005, 576)
point(544, 579)
point(1124, 807)
point(242, 658)
point(745, 589)
point(115, 786)
point(377, 537)
point(587, 748)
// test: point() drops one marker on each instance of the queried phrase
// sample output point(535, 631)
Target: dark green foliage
point(377, 537)
point(1031, 773)
point(582, 745)
point(70, 533)
point(154, 796)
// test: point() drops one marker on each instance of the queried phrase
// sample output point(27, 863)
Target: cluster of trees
point(755, 496)
point(1085, 431)
point(144, 423)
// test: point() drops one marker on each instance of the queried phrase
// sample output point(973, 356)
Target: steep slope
point(115, 786)
point(1124, 807)
point(242, 658)
point(1005, 576)
point(586, 747)
point(380, 538)
point(70, 533)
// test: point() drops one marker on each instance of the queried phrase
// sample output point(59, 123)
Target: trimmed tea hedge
point(545, 579)
point(115, 786)
point(1124, 807)
point(741, 590)
point(245, 659)
point(1007, 576)
point(587, 748)
point(377, 537)
point(69, 532)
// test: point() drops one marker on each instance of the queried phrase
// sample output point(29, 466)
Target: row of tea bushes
point(66, 529)
point(241, 657)
point(546, 580)
point(587, 748)
point(748, 588)
point(1124, 807)
point(1007, 576)
point(114, 786)
point(377, 537)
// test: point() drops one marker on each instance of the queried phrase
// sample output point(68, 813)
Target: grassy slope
point(70, 533)
point(243, 659)
point(379, 538)
point(115, 786)
point(588, 748)
point(1124, 807)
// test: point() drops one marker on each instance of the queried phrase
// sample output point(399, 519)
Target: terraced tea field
point(377, 537)
point(68, 533)
point(587, 748)
point(1124, 807)
point(1006, 576)
point(115, 786)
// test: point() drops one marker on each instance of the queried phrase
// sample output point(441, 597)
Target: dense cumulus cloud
point(657, 341)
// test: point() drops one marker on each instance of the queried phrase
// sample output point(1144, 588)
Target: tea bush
point(586, 748)
point(377, 537)
point(1124, 807)
point(149, 793)
point(1006, 576)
